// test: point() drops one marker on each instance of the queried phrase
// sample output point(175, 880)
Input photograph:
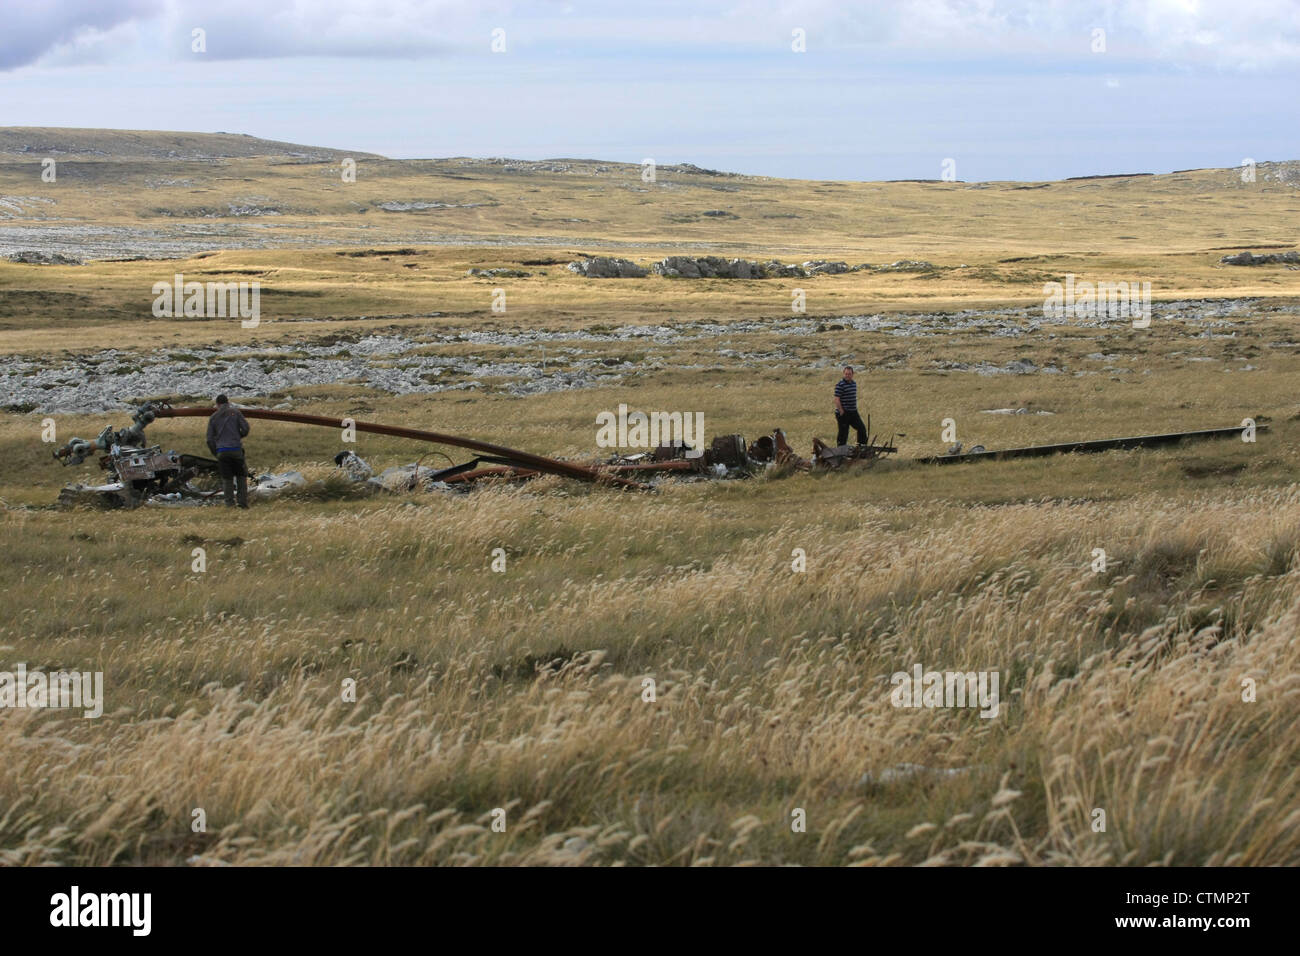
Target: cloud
point(1022, 34)
point(249, 29)
point(33, 30)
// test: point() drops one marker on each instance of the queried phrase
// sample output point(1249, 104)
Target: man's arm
point(212, 436)
point(243, 425)
point(839, 406)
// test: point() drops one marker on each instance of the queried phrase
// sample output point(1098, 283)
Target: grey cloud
point(31, 30)
point(1221, 33)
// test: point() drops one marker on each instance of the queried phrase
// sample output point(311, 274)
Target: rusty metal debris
point(839, 456)
point(728, 450)
point(731, 456)
point(137, 471)
point(510, 455)
point(140, 472)
point(774, 448)
point(79, 449)
point(1103, 444)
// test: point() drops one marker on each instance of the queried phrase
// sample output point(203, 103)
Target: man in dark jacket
point(226, 431)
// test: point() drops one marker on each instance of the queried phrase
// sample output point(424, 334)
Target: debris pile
point(151, 476)
point(142, 473)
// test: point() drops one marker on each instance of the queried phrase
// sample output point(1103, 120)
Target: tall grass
point(522, 691)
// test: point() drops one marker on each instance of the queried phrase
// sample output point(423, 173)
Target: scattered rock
point(418, 205)
point(114, 379)
point(715, 267)
point(501, 273)
point(777, 270)
point(704, 267)
point(520, 165)
point(15, 207)
point(251, 209)
point(604, 267)
point(33, 258)
point(1267, 259)
point(692, 169)
point(818, 267)
point(907, 265)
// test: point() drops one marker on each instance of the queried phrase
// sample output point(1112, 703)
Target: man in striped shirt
point(846, 409)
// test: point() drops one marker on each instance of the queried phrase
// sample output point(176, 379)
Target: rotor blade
point(536, 462)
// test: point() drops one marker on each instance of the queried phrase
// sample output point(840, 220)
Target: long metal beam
point(1101, 444)
point(536, 462)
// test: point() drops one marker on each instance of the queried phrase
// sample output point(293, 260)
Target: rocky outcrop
point(692, 169)
point(502, 273)
point(907, 265)
point(715, 267)
point(418, 205)
point(34, 258)
point(1267, 259)
point(820, 267)
point(779, 270)
point(604, 267)
point(703, 267)
point(708, 267)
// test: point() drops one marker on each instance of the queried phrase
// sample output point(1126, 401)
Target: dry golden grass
point(993, 242)
point(522, 691)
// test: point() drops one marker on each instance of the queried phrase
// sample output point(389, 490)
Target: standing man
point(226, 431)
point(846, 409)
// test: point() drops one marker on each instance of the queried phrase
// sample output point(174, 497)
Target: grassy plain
point(1121, 690)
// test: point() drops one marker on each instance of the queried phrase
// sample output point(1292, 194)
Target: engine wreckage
point(141, 473)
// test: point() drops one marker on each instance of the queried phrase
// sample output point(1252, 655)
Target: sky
point(811, 89)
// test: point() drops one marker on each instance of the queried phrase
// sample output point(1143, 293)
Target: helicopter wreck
point(138, 472)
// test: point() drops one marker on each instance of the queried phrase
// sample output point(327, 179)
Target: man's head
point(848, 372)
point(222, 400)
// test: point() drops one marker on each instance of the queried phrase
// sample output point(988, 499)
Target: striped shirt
point(847, 393)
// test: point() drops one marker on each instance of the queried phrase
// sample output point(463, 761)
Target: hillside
point(124, 194)
point(24, 142)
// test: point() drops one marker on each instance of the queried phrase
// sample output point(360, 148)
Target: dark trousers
point(233, 472)
point(842, 423)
